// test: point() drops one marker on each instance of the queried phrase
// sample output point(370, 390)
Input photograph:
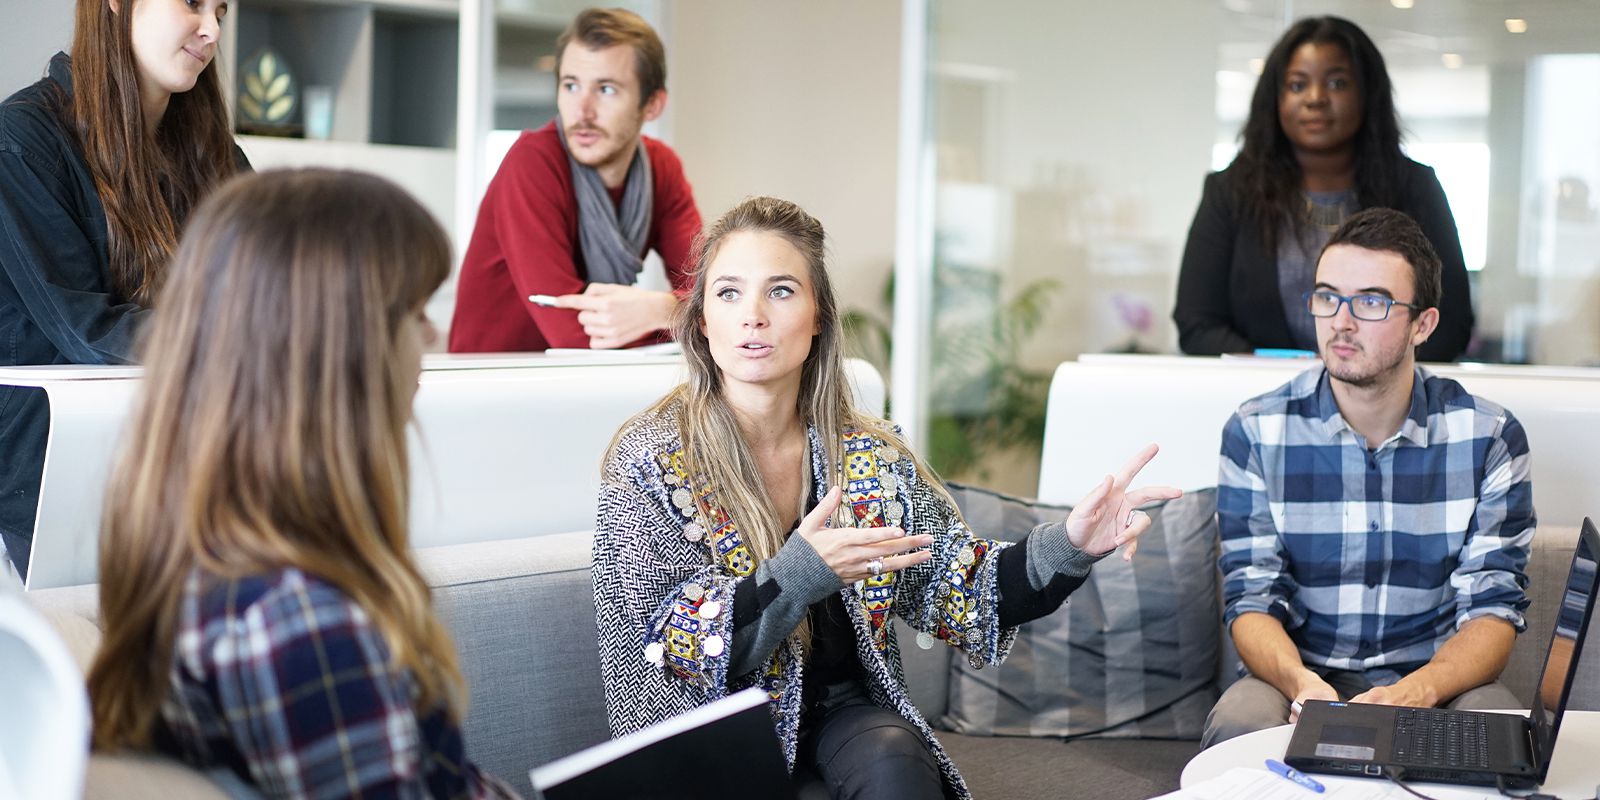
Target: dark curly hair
point(1268, 189)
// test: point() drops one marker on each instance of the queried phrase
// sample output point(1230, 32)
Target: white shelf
point(428, 173)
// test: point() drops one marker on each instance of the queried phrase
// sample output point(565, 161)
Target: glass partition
point(1071, 141)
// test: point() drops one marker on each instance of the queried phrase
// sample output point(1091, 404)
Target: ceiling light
point(1451, 60)
point(1402, 3)
point(1516, 26)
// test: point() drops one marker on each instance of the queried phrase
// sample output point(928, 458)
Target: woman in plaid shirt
point(262, 612)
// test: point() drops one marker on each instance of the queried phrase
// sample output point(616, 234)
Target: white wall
point(33, 31)
point(799, 101)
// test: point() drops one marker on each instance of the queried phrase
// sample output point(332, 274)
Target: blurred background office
point(1025, 171)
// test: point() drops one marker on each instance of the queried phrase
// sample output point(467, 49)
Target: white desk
point(1574, 772)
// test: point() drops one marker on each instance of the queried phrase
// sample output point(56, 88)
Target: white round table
point(1574, 772)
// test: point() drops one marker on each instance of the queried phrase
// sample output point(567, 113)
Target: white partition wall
point(1104, 408)
point(503, 447)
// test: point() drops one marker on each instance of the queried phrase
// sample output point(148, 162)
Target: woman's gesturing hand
point(859, 553)
point(1106, 519)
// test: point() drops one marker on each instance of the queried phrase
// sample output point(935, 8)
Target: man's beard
point(1355, 375)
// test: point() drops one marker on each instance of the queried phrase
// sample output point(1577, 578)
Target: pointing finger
point(1150, 494)
point(578, 302)
point(1131, 469)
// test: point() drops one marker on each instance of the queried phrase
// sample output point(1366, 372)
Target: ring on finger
point(1131, 515)
point(875, 566)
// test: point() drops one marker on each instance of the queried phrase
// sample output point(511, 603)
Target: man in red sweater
point(577, 204)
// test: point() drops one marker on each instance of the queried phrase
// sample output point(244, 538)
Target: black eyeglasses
point(1368, 307)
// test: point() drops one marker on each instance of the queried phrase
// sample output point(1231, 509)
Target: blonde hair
point(714, 449)
point(271, 428)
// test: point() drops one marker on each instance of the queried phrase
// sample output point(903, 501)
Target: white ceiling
point(1419, 36)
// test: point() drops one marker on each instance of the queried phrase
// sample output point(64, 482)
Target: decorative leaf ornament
point(269, 92)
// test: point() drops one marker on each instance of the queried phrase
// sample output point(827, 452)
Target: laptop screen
point(1572, 621)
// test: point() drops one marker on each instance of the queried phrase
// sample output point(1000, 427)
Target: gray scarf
point(613, 245)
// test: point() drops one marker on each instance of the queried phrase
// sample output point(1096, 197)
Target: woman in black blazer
point(1322, 142)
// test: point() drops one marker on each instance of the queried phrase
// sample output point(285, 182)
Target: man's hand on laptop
point(615, 316)
point(1312, 687)
point(1404, 693)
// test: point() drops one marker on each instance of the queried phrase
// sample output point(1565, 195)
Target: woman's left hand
point(1106, 518)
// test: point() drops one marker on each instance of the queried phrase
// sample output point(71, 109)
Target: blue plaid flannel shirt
point(284, 679)
point(1372, 559)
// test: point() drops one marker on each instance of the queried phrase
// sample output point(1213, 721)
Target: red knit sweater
point(526, 242)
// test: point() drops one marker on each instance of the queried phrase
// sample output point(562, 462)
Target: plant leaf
point(253, 87)
point(279, 109)
point(278, 87)
point(268, 66)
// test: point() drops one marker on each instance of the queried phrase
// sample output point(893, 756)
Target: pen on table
point(1290, 773)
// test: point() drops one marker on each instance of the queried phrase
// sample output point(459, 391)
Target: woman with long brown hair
point(756, 529)
point(101, 162)
point(260, 606)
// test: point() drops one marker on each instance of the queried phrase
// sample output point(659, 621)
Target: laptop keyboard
point(1433, 738)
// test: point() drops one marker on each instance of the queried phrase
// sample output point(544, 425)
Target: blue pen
point(1286, 771)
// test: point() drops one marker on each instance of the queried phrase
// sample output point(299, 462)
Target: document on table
point(662, 349)
point(1243, 783)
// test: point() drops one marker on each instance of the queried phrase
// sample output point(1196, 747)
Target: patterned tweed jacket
point(667, 561)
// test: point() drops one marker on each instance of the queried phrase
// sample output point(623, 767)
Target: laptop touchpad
point(1354, 742)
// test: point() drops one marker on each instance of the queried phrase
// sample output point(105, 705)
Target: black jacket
point(56, 301)
point(1228, 298)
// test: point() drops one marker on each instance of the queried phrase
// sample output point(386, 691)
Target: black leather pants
point(862, 751)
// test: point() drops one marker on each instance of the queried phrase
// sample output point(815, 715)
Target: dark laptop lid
point(1561, 660)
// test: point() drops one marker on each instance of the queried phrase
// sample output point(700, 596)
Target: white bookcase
point(395, 68)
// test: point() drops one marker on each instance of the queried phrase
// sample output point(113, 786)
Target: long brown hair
point(147, 184)
point(271, 428)
point(1270, 189)
point(714, 448)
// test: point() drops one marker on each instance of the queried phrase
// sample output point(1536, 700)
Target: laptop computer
point(728, 748)
point(1471, 747)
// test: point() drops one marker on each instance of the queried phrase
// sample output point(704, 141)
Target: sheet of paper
point(1243, 783)
point(662, 349)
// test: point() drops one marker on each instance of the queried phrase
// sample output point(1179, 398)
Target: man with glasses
point(1375, 518)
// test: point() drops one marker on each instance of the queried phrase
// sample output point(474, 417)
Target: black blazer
point(1228, 298)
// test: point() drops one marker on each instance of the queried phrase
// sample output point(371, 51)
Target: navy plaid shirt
point(1371, 559)
point(285, 680)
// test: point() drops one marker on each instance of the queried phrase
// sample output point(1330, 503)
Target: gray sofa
point(522, 615)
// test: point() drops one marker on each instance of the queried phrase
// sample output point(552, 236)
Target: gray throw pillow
point(1133, 654)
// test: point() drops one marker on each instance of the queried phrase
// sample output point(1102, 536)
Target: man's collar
point(1413, 429)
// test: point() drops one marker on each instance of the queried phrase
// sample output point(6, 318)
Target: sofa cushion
point(1133, 653)
point(521, 612)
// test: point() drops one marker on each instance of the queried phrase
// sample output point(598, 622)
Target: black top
point(834, 660)
point(1228, 295)
point(57, 305)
